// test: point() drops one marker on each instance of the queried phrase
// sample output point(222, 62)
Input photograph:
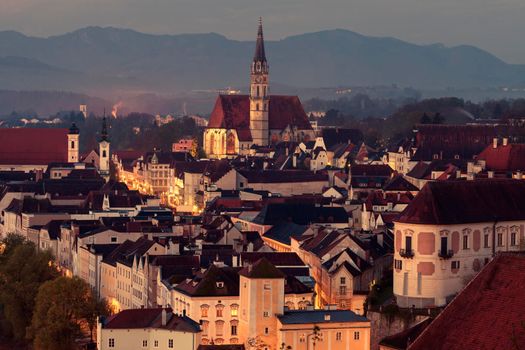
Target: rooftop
point(320, 316)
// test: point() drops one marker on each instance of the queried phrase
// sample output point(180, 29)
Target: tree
point(425, 119)
point(438, 119)
point(23, 269)
point(62, 305)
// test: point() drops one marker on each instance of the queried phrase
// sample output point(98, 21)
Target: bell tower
point(103, 147)
point(72, 144)
point(259, 94)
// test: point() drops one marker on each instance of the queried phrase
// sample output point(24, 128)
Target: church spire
point(104, 132)
point(260, 55)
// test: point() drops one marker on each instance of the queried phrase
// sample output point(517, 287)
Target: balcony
point(446, 254)
point(406, 253)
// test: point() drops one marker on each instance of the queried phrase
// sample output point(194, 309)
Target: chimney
point(495, 142)
point(505, 141)
point(164, 317)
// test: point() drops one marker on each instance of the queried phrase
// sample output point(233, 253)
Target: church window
point(230, 144)
point(258, 92)
point(72, 144)
point(256, 106)
point(264, 91)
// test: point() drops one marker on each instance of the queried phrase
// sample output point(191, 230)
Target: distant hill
point(110, 60)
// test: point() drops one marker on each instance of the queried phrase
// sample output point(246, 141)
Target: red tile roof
point(262, 268)
point(33, 146)
point(233, 112)
point(456, 202)
point(151, 318)
point(504, 158)
point(487, 314)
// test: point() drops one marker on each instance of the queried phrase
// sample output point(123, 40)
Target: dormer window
point(220, 284)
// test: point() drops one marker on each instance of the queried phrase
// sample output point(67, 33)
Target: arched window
point(104, 154)
point(258, 92)
point(230, 144)
point(256, 106)
point(264, 91)
point(72, 144)
point(212, 144)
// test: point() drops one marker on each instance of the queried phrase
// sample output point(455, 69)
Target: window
point(465, 242)
point(302, 338)
point(338, 336)
point(219, 328)
point(234, 330)
point(72, 144)
point(408, 244)
point(266, 314)
point(170, 343)
point(111, 342)
point(104, 154)
point(234, 310)
point(113, 239)
point(342, 290)
point(398, 264)
point(513, 238)
point(343, 280)
point(219, 312)
point(144, 343)
point(156, 343)
point(267, 286)
point(455, 265)
point(444, 245)
point(356, 335)
point(500, 239)
point(266, 330)
point(486, 240)
point(258, 91)
point(204, 311)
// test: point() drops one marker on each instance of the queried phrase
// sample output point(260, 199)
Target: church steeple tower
point(103, 150)
point(259, 94)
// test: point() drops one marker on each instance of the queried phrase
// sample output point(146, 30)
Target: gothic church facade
point(240, 122)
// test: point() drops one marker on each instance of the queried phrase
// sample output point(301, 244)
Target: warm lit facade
point(238, 122)
point(439, 249)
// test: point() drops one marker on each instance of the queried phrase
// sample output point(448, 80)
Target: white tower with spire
point(103, 147)
point(259, 93)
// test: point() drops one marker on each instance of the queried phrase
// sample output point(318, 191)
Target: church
point(239, 123)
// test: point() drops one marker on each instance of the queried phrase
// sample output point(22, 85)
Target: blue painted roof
point(318, 316)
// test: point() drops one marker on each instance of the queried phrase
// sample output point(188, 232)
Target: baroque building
point(259, 119)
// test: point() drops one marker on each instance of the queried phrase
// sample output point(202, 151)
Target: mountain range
point(114, 61)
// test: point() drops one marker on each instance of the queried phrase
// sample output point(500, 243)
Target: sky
point(493, 25)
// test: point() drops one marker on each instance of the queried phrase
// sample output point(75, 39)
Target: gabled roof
point(262, 268)
point(282, 232)
point(456, 202)
point(233, 112)
point(510, 157)
point(215, 281)
point(486, 314)
point(283, 176)
point(399, 183)
point(151, 318)
point(33, 146)
point(401, 340)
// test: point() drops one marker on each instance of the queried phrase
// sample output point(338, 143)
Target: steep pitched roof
point(209, 283)
point(487, 314)
point(504, 158)
point(262, 268)
point(233, 112)
point(35, 146)
point(455, 202)
point(401, 340)
point(278, 259)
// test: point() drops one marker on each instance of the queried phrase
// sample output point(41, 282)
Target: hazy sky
point(495, 25)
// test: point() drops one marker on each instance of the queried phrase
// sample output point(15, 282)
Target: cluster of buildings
point(276, 239)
